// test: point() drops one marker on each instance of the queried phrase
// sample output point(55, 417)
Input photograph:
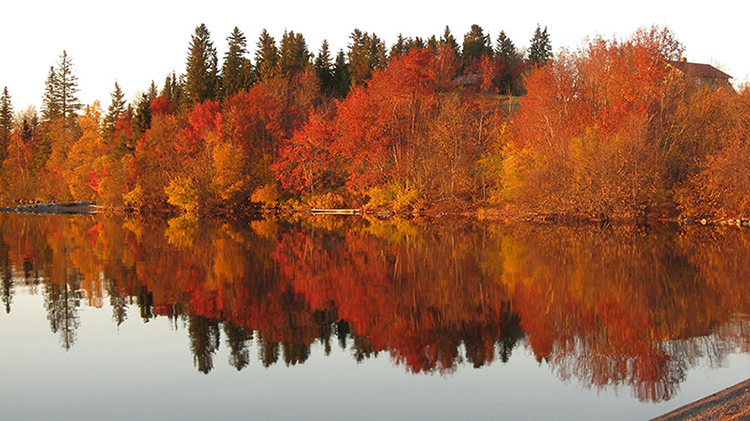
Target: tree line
point(607, 131)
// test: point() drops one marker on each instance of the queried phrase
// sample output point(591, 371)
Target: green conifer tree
point(173, 90)
point(67, 87)
point(379, 53)
point(237, 69)
point(476, 45)
point(323, 68)
point(266, 57)
point(153, 91)
point(341, 76)
point(415, 43)
point(166, 89)
point(399, 47)
point(510, 75)
point(116, 108)
point(50, 104)
point(202, 80)
point(142, 118)
point(432, 43)
point(448, 40)
point(540, 50)
point(294, 57)
point(6, 122)
point(366, 53)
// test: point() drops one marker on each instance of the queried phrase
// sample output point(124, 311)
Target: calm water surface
point(358, 318)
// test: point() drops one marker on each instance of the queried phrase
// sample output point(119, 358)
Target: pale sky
point(137, 41)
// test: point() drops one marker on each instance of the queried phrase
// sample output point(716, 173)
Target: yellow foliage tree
point(84, 167)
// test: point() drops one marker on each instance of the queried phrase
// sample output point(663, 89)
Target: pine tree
point(447, 39)
point(294, 57)
point(116, 107)
point(415, 43)
point(266, 57)
point(50, 104)
point(29, 124)
point(323, 68)
point(433, 44)
point(166, 89)
point(366, 53)
point(202, 74)
point(476, 45)
point(142, 118)
point(341, 76)
point(379, 53)
point(6, 122)
point(505, 48)
point(512, 67)
point(540, 50)
point(399, 48)
point(67, 87)
point(173, 90)
point(237, 69)
point(153, 91)
point(60, 89)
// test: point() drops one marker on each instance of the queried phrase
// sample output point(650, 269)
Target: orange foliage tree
point(400, 140)
point(581, 142)
point(86, 161)
point(712, 142)
point(17, 172)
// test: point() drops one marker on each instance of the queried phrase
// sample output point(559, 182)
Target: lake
point(354, 317)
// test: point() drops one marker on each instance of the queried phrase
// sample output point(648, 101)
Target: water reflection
point(610, 307)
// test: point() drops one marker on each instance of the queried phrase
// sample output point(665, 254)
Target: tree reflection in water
point(611, 307)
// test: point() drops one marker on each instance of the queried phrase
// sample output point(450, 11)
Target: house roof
point(699, 69)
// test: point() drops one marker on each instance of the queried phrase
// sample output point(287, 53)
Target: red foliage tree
point(305, 159)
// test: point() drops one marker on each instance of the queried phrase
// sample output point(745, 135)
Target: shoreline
point(730, 404)
point(92, 208)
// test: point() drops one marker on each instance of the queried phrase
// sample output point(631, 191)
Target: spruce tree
point(153, 91)
point(116, 108)
point(142, 118)
point(476, 45)
point(366, 53)
point(50, 104)
point(6, 122)
point(323, 68)
point(173, 90)
point(540, 50)
point(399, 47)
point(67, 87)
point(236, 70)
point(166, 90)
point(505, 48)
point(415, 43)
point(432, 43)
point(448, 40)
point(509, 78)
point(202, 80)
point(266, 57)
point(379, 53)
point(341, 76)
point(294, 56)
point(60, 89)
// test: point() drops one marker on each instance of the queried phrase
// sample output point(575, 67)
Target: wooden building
point(703, 74)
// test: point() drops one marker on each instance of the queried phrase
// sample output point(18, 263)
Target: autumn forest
point(611, 130)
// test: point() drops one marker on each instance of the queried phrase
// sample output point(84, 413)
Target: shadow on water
point(609, 306)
